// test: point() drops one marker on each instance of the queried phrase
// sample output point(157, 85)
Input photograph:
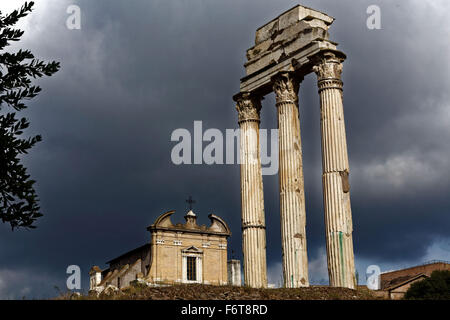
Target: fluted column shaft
point(336, 188)
point(292, 194)
point(252, 199)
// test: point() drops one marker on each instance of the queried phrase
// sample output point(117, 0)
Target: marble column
point(252, 199)
point(335, 178)
point(292, 194)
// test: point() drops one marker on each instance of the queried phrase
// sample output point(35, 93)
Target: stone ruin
point(286, 49)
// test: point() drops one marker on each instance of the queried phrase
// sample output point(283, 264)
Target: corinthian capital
point(285, 86)
point(248, 107)
point(328, 66)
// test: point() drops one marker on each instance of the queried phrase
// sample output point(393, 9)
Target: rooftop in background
point(426, 263)
point(393, 278)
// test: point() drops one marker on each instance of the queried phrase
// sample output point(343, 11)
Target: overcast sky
point(138, 70)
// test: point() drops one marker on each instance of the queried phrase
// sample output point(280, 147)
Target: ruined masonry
point(286, 49)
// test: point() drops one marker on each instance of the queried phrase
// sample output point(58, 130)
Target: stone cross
point(191, 202)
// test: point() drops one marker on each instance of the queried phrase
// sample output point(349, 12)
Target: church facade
point(177, 253)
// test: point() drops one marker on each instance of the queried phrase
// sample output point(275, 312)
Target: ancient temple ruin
point(286, 49)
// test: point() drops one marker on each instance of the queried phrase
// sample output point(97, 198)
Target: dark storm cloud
point(137, 70)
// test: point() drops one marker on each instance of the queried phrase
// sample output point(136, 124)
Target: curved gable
point(218, 225)
point(164, 220)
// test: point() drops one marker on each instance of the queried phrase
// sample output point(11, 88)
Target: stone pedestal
point(336, 187)
point(252, 199)
point(292, 194)
point(234, 273)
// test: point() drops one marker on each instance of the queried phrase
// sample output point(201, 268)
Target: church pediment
point(192, 249)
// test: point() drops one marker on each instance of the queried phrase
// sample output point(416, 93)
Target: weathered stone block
point(234, 273)
point(290, 18)
point(285, 35)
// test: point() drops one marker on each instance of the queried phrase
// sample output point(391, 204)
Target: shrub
point(436, 287)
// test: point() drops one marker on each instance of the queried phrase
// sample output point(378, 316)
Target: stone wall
point(142, 253)
point(131, 274)
point(234, 273)
point(167, 253)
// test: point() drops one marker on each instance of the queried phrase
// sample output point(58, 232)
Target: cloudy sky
point(137, 70)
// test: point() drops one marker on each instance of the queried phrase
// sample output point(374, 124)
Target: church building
point(177, 253)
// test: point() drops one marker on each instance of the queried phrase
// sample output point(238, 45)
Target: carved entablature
point(248, 107)
point(328, 67)
point(285, 86)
